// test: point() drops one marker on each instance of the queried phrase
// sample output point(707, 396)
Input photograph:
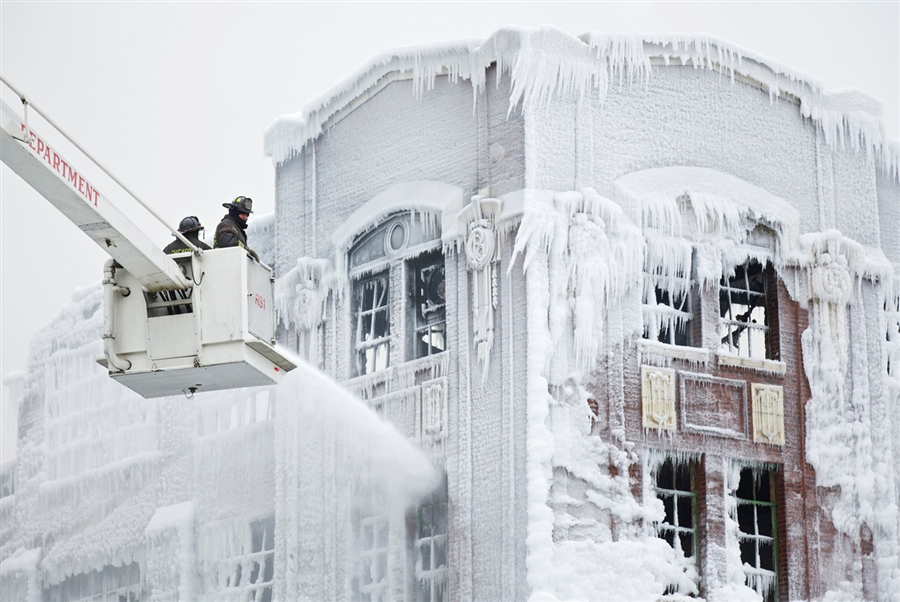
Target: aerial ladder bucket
point(173, 324)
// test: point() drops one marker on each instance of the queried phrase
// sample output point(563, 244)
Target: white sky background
point(174, 99)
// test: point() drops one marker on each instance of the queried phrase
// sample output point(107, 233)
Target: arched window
point(398, 298)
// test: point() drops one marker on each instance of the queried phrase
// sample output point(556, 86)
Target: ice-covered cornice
point(546, 62)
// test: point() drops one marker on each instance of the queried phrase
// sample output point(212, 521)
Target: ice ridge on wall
point(546, 63)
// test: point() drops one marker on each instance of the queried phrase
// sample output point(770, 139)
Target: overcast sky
point(174, 98)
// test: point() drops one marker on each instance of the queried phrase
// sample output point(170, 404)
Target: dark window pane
point(764, 488)
point(748, 552)
point(687, 544)
point(766, 556)
point(745, 487)
point(683, 477)
point(764, 521)
point(665, 477)
point(746, 518)
point(685, 512)
point(382, 324)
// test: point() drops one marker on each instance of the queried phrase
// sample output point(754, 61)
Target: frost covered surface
point(545, 62)
point(583, 255)
point(108, 481)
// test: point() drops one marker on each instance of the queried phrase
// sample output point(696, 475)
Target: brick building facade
point(633, 296)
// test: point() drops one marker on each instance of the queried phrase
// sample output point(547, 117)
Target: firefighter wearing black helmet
point(190, 227)
point(231, 230)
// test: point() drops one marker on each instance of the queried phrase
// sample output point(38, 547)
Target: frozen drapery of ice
point(582, 257)
point(545, 63)
point(315, 275)
point(594, 254)
point(851, 417)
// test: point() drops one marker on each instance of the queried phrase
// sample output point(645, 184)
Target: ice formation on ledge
point(546, 62)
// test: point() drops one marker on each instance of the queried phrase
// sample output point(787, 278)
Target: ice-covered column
point(171, 572)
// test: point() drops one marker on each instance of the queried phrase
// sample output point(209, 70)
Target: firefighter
point(231, 230)
point(190, 227)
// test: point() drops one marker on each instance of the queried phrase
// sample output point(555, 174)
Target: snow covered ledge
point(710, 191)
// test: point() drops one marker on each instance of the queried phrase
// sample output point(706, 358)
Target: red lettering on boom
point(45, 152)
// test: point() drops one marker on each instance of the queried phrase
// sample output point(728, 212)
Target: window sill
point(690, 354)
point(736, 361)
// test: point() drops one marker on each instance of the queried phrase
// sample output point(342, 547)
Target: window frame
point(371, 555)
point(391, 250)
point(420, 322)
point(683, 315)
point(755, 578)
point(431, 585)
point(730, 326)
point(677, 494)
point(361, 347)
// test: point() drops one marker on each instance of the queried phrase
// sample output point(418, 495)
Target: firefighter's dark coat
point(230, 233)
point(176, 246)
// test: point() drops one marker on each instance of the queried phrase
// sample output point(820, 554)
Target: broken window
point(251, 575)
point(373, 323)
point(429, 301)
point(674, 484)
point(397, 264)
point(756, 519)
point(431, 546)
point(744, 320)
point(667, 305)
point(371, 577)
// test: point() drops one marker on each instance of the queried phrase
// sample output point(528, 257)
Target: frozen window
point(675, 486)
point(250, 576)
point(431, 546)
point(429, 300)
point(667, 308)
point(112, 584)
point(371, 579)
point(398, 264)
point(743, 316)
point(373, 323)
point(756, 518)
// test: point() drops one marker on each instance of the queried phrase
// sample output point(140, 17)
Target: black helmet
point(190, 224)
point(241, 204)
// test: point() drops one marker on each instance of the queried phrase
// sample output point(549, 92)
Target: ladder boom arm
point(57, 180)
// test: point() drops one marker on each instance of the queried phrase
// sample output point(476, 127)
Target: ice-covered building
point(635, 296)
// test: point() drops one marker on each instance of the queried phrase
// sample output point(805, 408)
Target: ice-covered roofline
point(546, 62)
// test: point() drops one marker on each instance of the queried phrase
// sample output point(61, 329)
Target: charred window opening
point(744, 312)
point(370, 580)
point(757, 522)
point(432, 522)
point(429, 304)
point(675, 485)
point(373, 323)
point(667, 305)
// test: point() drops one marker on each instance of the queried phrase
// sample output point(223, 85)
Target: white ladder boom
point(57, 180)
